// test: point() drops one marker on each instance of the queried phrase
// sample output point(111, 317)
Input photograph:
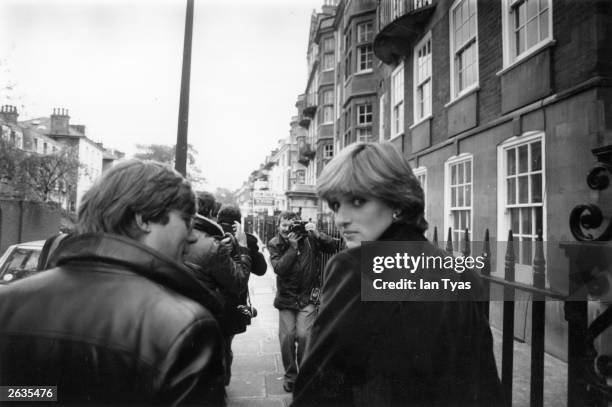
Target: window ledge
point(541, 46)
point(463, 95)
point(423, 120)
point(364, 72)
point(396, 136)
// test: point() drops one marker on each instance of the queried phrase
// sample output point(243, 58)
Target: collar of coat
point(137, 258)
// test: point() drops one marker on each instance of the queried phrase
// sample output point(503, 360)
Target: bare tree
point(43, 176)
point(166, 154)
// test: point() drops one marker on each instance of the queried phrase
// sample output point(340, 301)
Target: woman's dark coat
point(394, 353)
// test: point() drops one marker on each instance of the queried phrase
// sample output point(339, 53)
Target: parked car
point(20, 261)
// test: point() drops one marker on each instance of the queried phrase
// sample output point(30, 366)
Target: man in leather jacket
point(222, 263)
point(118, 319)
point(295, 257)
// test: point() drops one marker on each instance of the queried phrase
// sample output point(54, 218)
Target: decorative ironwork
point(590, 369)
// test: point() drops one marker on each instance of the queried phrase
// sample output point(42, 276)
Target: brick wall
point(37, 220)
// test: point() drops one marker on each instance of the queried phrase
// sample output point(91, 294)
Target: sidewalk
point(257, 371)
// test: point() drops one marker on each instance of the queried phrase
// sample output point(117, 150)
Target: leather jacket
point(298, 271)
point(113, 322)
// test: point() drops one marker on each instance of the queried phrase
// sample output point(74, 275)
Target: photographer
point(294, 254)
point(230, 218)
point(222, 263)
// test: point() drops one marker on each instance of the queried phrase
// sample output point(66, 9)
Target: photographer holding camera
point(294, 254)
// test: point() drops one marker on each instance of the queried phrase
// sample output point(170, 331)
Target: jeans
point(294, 329)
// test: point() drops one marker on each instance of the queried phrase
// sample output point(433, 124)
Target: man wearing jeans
point(295, 257)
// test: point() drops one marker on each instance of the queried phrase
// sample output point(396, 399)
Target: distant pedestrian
point(295, 254)
point(389, 353)
point(117, 319)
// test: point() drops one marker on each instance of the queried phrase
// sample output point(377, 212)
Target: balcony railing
point(390, 10)
point(400, 22)
point(310, 104)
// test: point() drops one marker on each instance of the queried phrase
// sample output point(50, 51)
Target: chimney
point(60, 121)
point(79, 127)
point(9, 114)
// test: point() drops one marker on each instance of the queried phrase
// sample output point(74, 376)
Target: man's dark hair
point(229, 214)
point(288, 215)
point(206, 203)
point(132, 187)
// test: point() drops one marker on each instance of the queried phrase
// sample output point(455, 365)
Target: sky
point(116, 66)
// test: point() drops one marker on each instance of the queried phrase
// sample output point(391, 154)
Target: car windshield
point(21, 263)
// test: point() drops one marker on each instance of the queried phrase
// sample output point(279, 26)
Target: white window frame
point(456, 54)
point(363, 34)
point(397, 101)
point(365, 58)
point(328, 114)
point(365, 111)
point(363, 134)
point(421, 175)
point(326, 44)
point(328, 151)
point(381, 118)
point(419, 82)
point(448, 208)
point(524, 271)
point(328, 61)
point(508, 37)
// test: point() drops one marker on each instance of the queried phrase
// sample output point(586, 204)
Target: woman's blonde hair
point(377, 170)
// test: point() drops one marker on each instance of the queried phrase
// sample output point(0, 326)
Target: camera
point(246, 313)
point(315, 295)
point(298, 227)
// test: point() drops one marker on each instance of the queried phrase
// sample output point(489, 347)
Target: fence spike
point(539, 262)
point(510, 258)
point(466, 243)
point(449, 241)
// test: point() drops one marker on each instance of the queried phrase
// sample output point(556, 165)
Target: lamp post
point(183, 119)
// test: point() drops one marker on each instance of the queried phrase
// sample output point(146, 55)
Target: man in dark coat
point(118, 319)
point(295, 256)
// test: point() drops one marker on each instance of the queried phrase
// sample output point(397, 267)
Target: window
point(422, 79)
point(364, 57)
point(464, 58)
point(381, 118)
point(364, 114)
point(421, 175)
point(349, 55)
point(328, 151)
point(45, 147)
point(36, 145)
point(364, 134)
point(328, 106)
point(459, 198)
point(528, 24)
point(397, 101)
point(347, 138)
point(365, 31)
point(328, 62)
point(328, 45)
point(328, 97)
point(300, 177)
point(328, 114)
point(521, 189)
